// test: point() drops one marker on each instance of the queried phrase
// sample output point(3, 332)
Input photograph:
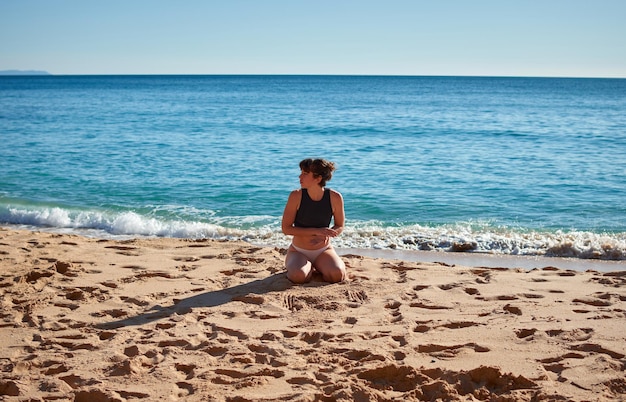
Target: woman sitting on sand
point(307, 218)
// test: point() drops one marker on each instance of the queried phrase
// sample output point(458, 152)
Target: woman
point(307, 218)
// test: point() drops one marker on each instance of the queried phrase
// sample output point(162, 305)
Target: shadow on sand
point(273, 283)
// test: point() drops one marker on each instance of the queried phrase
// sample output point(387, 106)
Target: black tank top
point(314, 214)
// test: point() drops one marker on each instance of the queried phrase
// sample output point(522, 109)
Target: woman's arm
point(339, 215)
point(289, 216)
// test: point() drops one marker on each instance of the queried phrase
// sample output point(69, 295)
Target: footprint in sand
point(595, 348)
point(602, 301)
point(356, 355)
point(37, 274)
point(126, 250)
point(261, 315)
point(217, 330)
point(186, 259)
point(245, 378)
point(267, 356)
point(217, 351)
point(315, 338)
point(459, 325)
point(512, 309)
point(123, 248)
point(71, 343)
point(185, 389)
point(165, 325)
point(484, 275)
point(556, 368)
point(300, 380)
point(135, 301)
point(401, 339)
point(393, 377)
point(126, 367)
point(250, 299)
point(66, 304)
point(503, 297)
point(247, 250)
point(394, 311)
point(449, 286)
point(53, 367)
point(187, 268)
point(571, 355)
point(141, 275)
point(290, 302)
point(76, 381)
point(356, 298)
point(531, 295)
point(105, 335)
point(425, 326)
point(114, 313)
point(429, 306)
point(524, 333)
point(232, 272)
point(450, 351)
point(95, 394)
point(133, 395)
point(351, 320)
point(248, 260)
point(186, 369)
point(85, 293)
point(135, 267)
point(575, 335)
point(612, 279)
point(400, 269)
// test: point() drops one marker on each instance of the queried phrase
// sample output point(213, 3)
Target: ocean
point(504, 166)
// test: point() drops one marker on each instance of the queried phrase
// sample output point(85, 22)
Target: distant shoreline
point(24, 72)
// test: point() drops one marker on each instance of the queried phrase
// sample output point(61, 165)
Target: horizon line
point(43, 73)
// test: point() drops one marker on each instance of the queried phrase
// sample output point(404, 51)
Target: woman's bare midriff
point(310, 242)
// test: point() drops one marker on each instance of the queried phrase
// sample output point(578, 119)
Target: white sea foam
point(112, 224)
point(364, 235)
point(55, 217)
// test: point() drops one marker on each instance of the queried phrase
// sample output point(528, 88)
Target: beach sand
point(172, 319)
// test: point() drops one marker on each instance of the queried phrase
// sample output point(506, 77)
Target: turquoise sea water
point(531, 166)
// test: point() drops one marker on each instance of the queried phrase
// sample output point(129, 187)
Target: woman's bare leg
point(331, 266)
point(299, 269)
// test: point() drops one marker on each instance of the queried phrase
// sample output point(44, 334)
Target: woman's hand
point(327, 232)
point(320, 236)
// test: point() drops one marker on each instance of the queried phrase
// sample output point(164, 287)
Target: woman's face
point(307, 179)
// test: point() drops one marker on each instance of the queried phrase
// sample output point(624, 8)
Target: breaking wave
point(460, 237)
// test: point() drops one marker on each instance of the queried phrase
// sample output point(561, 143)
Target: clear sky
point(562, 38)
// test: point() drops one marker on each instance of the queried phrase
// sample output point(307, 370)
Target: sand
point(173, 319)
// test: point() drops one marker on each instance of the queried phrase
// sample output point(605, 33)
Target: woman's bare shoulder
point(335, 194)
point(295, 196)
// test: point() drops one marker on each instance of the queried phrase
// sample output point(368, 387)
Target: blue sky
point(563, 38)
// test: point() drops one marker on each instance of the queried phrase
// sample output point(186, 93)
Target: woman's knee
point(332, 267)
point(298, 275)
point(299, 270)
point(337, 274)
